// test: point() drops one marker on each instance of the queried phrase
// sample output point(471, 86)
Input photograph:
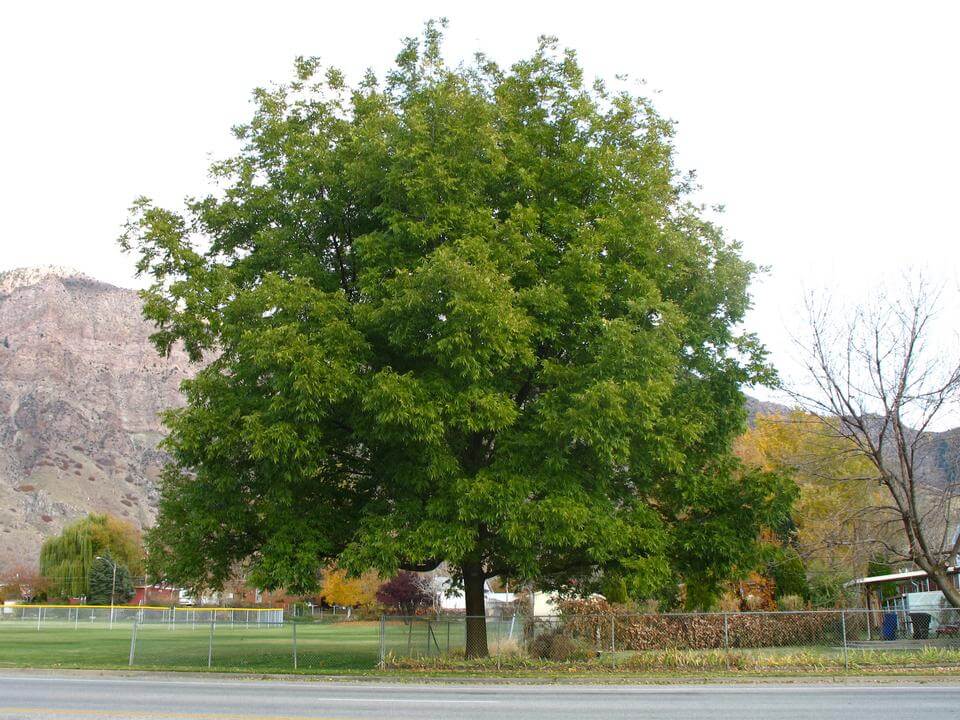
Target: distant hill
point(938, 465)
point(80, 391)
point(762, 407)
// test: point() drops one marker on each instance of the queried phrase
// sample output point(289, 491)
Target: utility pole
point(113, 585)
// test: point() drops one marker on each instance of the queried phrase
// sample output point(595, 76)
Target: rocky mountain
point(81, 388)
point(757, 407)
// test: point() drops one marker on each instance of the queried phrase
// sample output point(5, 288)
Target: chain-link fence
point(263, 641)
point(449, 636)
point(668, 641)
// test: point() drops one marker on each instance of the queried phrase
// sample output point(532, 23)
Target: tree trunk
point(473, 579)
point(934, 570)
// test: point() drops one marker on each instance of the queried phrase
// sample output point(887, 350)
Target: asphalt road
point(26, 697)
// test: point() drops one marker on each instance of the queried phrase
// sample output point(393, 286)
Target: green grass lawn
point(323, 647)
point(432, 647)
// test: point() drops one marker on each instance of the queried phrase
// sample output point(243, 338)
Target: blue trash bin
point(889, 626)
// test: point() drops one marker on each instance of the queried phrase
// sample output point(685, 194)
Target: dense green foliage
point(879, 566)
point(789, 573)
point(66, 560)
point(107, 588)
point(463, 315)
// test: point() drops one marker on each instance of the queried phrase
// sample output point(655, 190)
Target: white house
point(451, 599)
point(545, 604)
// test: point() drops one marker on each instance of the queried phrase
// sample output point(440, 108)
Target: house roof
point(893, 577)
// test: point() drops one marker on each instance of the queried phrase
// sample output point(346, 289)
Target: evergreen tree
point(104, 585)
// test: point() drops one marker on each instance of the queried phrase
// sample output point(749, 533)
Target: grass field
point(421, 648)
point(332, 647)
point(324, 647)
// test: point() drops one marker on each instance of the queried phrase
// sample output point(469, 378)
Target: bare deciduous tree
point(883, 381)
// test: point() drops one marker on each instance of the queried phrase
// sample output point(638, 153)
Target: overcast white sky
point(830, 131)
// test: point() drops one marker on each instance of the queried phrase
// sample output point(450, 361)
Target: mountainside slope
point(938, 459)
point(81, 388)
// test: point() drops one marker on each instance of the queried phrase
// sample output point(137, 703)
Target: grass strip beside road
point(352, 648)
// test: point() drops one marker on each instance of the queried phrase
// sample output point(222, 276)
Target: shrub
point(555, 645)
point(790, 602)
point(789, 574)
point(508, 647)
point(728, 602)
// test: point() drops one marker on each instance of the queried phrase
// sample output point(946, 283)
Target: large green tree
point(463, 314)
point(66, 560)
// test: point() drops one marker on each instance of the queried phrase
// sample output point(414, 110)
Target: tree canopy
point(462, 314)
point(338, 588)
point(404, 592)
point(67, 559)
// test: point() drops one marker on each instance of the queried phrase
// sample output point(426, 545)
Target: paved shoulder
point(27, 697)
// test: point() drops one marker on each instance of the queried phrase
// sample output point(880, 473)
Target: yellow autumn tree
point(839, 523)
point(337, 588)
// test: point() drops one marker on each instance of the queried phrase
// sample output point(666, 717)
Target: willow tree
point(67, 559)
point(461, 315)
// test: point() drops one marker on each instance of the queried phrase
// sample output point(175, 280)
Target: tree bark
point(473, 582)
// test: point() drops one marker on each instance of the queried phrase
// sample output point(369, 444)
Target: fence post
point(499, 623)
point(294, 625)
point(76, 619)
point(382, 660)
point(843, 625)
point(613, 640)
point(39, 616)
point(210, 644)
point(133, 642)
point(726, 640)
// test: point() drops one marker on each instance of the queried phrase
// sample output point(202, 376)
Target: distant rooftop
point(894, 577)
